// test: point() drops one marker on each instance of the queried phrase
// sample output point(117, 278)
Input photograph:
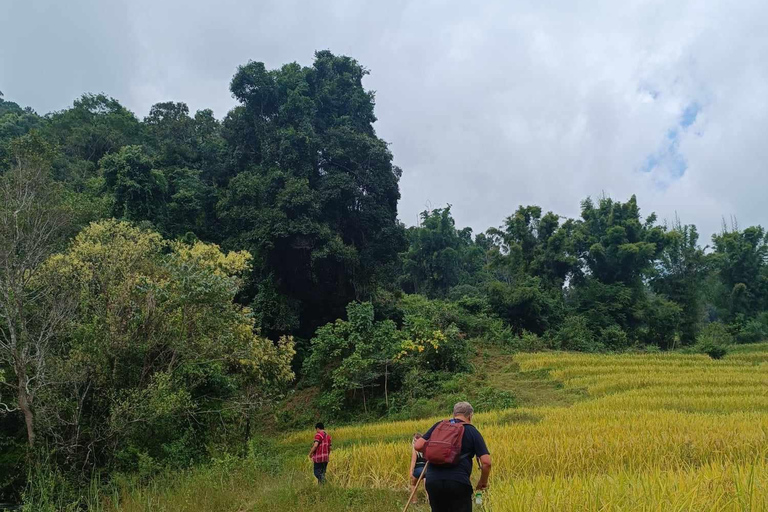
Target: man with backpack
point(450, 447)
point(320, 452)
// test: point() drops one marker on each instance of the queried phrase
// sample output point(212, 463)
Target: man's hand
point(485, 461)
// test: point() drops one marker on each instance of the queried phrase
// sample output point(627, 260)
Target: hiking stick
point(416, 487)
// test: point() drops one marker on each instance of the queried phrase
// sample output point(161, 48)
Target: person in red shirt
point(320, 452)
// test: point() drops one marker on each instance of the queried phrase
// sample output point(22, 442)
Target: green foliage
point(614, 338)
point(575, 334)
point(157, 354)
point(714, 340)
point(439, 256)
point(353, 355)
point(472, 316)
point(615, 243)
point(741, 260)
point(529, 342)
point(712, 349)
point(618, 249)
point(526, 304)
point(716, 332)
point(360, 359)
point(662, 321)
point(680, 273)
point(138, 188)
point(754, 330)
point(529, 244)
point(313, 192)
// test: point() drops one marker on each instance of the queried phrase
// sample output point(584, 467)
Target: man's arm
point(481, 449)
point(485, 461)
point(315, 444)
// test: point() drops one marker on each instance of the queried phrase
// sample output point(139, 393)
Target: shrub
point(714, 340)
point(614, 338)
point(575, 334)
point(715, 333)
point(500, 333)
point(713, 350)
point(752, 332)
point(488, 398)
point(529, 342)
point(662, 318)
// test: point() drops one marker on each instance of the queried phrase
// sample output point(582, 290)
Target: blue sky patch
point(668, 154)
point(689, 115)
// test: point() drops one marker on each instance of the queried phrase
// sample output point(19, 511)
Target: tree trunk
point(247, 433)
point(26, 407)
point(386, 379)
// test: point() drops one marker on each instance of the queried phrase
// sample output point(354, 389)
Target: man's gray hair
point(464, 409)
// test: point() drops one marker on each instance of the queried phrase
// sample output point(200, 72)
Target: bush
point(500, 333)
point(713, 350)
point(752, 332)
point(488, 398)
point(525, 305)
point(715, 333)
point(614, 338)
point(575, 334)
point(529, 342)
point(662, 318)
point(714, 340)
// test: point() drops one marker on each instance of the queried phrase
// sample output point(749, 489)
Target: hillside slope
point(654, 432)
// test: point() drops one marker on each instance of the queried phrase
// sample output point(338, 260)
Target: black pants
point(449, 496)
point(320, 469)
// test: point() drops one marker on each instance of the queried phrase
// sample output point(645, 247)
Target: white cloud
point(487, 105)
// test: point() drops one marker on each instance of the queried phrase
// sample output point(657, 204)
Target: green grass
point(497, 369)
point(274, 478)
point(261, 482)
point(245, 489)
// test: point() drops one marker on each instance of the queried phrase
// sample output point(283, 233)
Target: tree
point(139, 189)
point(531, 258)
point(95, 126)
point(157, 354)
point(360, 353)
point(312, 191)
point(32, 309)
point(617, 250)
point(434, 260)
point(741, 260)
point(14, 122)
point(679, 276)
point(353, 355)
point(615, 244)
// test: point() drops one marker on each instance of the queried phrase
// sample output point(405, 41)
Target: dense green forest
point(165, 281)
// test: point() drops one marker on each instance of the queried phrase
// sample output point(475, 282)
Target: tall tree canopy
point(439, 256)
point(741, 259)
point(313, 192)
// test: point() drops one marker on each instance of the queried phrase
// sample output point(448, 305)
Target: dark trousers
point(449, 496)
point(320, 469)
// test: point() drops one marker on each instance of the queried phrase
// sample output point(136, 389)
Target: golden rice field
point(657, 432)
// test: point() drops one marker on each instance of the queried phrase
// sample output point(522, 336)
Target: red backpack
point(444, 445)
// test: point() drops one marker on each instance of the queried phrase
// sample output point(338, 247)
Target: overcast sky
point(487, 105)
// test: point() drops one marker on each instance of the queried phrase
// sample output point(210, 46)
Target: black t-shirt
point(472, 445)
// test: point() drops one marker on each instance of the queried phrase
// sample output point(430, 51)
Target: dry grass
point(632, 432)
point(658, 432)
